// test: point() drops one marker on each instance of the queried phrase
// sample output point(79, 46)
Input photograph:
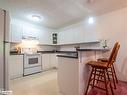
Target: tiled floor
point(38, 84)
point(46, 84)
point(121, 90)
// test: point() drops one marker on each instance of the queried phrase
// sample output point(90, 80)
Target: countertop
point(43, 52)
point(46, 52)
point(82, 50)
point(92, 49)
point(16, 53)
point(68, 56)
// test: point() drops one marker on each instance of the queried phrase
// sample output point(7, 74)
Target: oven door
point(32, 60)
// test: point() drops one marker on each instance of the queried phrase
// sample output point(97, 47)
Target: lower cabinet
point(45, 61)
point(53, 60)
point(15, 66)
point(49, 61)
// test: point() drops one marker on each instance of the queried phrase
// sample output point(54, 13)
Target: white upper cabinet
point(20, 29)
point(66, 37)
point(90, 32)
point(69, 37)
point(16, 32)
point(45, 37)
point(72, 37)
point(30, 32)
point(61, 38)
point(78, 34)
point(91, 36)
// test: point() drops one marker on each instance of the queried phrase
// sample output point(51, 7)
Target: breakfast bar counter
point(73, 73)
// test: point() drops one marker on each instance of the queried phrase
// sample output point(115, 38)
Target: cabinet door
point(16, 32)
point(45, 61)
point(69, 35)
point(61, 37)
point(16, 66)
point(53, 61)
point(30, 32)
point(90, 36)
point(79, 36)
point(45, 37)
point(66, 37)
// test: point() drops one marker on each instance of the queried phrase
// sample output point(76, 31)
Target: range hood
point(29, 38)
point(29, 42)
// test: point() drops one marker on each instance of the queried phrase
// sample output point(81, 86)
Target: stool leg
point(94, 77)
point(113, 78)
point(102, 74)
point(99, 75)
point(105, 80)
point(115, 74)
point(89, 81)
point(110, 82)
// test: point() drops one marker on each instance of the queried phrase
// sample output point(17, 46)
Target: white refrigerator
point(4, 49)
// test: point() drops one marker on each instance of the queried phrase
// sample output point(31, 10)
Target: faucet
point(77, 47)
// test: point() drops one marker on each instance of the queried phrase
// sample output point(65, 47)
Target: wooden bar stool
point(111, 71)
point(100, 68)
point(114, 72)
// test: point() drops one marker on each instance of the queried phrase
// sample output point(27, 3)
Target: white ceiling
point(60, 13)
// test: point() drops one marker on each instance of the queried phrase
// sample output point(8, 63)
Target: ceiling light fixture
point(36, 18)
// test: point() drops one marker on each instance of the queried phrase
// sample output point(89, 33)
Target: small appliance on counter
point(15, 50)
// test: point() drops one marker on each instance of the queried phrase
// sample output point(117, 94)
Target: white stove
point(32, 63)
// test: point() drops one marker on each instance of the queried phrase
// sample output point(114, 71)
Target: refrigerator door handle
point(6, 42)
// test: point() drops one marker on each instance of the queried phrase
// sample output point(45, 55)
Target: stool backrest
point(117, 49)
point(114, 53)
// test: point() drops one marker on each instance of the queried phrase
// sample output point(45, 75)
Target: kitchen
point(47, 43)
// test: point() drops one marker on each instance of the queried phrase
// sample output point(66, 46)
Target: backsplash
point(14, 47)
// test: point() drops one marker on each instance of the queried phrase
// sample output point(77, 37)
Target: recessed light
point(91, 20)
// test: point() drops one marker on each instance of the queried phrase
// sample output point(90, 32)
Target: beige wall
point(113, 26)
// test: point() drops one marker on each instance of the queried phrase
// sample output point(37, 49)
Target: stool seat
point(114, 76)
point(103, 59)
point(98, 64)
